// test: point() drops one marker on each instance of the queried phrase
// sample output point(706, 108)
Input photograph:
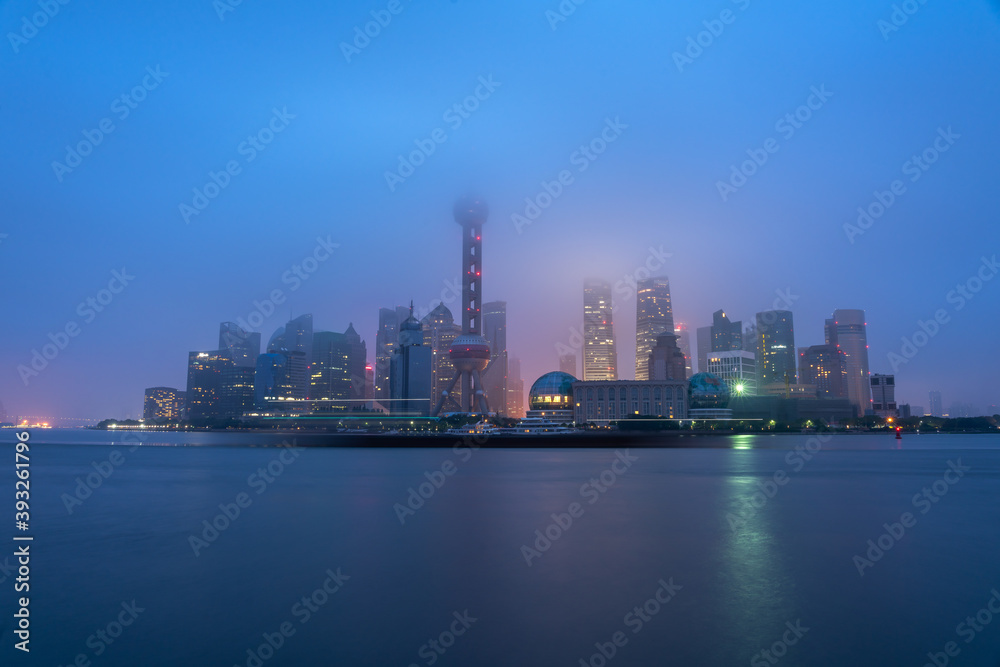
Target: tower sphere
point(471, 211)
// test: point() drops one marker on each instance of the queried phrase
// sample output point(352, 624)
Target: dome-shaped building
point(551, 398)
point(708, 397)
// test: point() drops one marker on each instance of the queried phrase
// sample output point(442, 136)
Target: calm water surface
point(739, 574)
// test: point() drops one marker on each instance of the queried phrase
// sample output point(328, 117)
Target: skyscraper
point(824, 366)
point(852, 337)
point(884, 395)
point(600, 359)
point(410, 371)
point(440, 332)
point(209, 376)
point(726, 335)
point(515, 389)
point(331, 372)
point(243, 346)
point(684, 343)
point(666, 360)
point(704, 339)
point(495, 377)
point(775, 347)
point(653, 316)
point(567, 364)
point(160, 404)
point(386, 339)
point(738, 368)
point(937, 405)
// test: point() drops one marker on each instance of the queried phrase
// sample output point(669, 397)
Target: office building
point(666, 361)
point(884, 395)
point(386, 339)
point(161, 404)
point(337, 372)
point(937, 405)
point(495, 377)
point(684, 342)
point(825, 367)
point(410, 371)
point(567, 364)
point(737, 368)
point(775, 347)
point(515, 389)
point(726, 335)
point(440, 331)
point(208, 396)
point(654, 316)
point(243, 346)
point(852, 337)
point(600, 358)
point(704, 339)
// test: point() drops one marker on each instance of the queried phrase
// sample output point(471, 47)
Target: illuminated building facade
point(600, 358)
point(653, 316)
point(726, 335)
point(684, 342)
point(825, 367)
point(495, 377)
point(884, 395)
point(440, 331)
point(738, 368)
point(601, 402)
point(162, 404)
point(243, 346)
point(775, 347)
point(852, 337)
point(410, 371)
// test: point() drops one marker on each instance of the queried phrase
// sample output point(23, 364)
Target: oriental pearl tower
point(470, 353)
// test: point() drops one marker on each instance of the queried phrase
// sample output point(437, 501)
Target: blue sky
point(323, 175)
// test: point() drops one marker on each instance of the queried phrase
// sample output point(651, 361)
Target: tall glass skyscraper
point(852, 337)
point(243, 346)
point(653, 316)
point(600, 358)
point(495, 375)
point(440, 332)
point(386, 340)
point(726, 335)
point(824, 366)
point(775, 348)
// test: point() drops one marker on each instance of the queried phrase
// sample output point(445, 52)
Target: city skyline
point(335, 240)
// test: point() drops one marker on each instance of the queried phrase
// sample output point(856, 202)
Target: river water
point(458, 556)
